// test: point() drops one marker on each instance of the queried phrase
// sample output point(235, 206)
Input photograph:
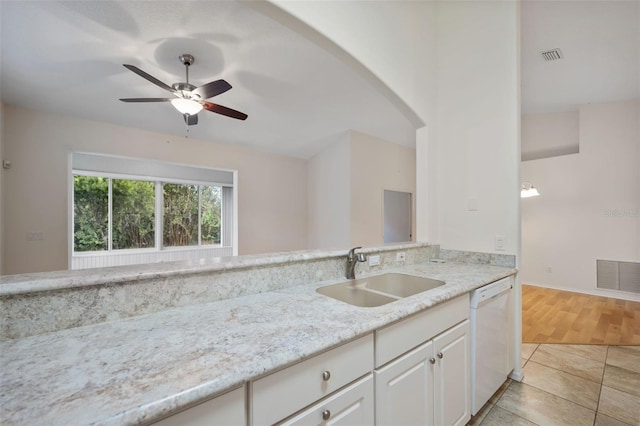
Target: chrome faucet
point(352, 259)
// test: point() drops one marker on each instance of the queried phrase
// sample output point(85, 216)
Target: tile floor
point(569, 385)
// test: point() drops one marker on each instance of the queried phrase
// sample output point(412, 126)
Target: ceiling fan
point(189, 99)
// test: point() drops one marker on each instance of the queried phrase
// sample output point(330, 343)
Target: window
point(91, 213)
point(191, 215)
point(115, 211)
point(133, 214)
point(180, 215)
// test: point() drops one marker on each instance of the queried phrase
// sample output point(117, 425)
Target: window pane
point(180, 215)
point(210, 217)
point(90, 213)
point(133, 214)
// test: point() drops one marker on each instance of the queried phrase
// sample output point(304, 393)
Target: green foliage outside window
point(180, 215)
point(210, 219)
point(133, 214)
point(91, 213)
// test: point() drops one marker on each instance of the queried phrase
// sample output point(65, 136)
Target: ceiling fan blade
point(148, 77)
point(191, 120)
point(224, 110)
point(147, 99)
point(212, 89)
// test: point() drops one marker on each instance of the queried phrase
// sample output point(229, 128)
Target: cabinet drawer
point(398, 338)
point(281, 394)
point(227, 409)
point(352, 406)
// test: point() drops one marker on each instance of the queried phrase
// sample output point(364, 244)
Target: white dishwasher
point(491, 340)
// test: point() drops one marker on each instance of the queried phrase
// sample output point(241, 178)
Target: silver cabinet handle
point(326, 415)
point(440, 355)
point(432, 360)
point(326, 376)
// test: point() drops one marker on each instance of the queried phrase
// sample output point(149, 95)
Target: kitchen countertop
point(140, 369)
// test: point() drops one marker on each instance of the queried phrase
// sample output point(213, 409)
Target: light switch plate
point(500, 239)
point(374, 260)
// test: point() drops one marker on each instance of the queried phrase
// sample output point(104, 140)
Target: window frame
point(200, 185)
point(159, 204)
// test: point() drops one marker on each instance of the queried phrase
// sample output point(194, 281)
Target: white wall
point(589, 207)
point(272, 189)
point(456, 65)
point(394, 40)
point(478, 135)
point(550, 134)
point(377, 165)
point(329, 195)
point(346, 185)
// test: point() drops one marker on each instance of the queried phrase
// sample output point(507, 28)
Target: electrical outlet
point(500, 242)
point(374, 260)
point(35, 236)
point(549, 270)
point(400, 256)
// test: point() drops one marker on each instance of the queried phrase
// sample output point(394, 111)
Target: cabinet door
point(404, 389)
point(452, 376)
point(227, 409)
point(352, 406)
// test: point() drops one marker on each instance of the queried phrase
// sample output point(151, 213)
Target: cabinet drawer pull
point(440, 355)
point(326, 376)
point(326, 415)
point(432, 360)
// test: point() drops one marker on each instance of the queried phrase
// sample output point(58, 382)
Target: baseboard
point(614, 294)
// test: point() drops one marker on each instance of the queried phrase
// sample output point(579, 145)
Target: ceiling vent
point(552, 55)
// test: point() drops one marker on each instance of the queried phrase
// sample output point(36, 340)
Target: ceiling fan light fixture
point(186, 106)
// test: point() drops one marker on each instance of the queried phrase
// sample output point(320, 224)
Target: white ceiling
point(67, 57)
point(600, 41)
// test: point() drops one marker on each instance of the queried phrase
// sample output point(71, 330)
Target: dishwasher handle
point(490, 291)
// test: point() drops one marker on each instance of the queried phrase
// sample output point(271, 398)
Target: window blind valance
point(100, 163)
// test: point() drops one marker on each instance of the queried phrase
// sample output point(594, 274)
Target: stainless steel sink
point(355, 293)
point(379, 289)
point(400, 285)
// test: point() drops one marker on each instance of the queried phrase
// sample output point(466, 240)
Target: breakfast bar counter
point(140, 369)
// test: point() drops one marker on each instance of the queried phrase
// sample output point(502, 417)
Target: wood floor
point(554, 316)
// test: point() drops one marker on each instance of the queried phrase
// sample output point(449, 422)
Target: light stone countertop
point(139, 369)
point(66, 279)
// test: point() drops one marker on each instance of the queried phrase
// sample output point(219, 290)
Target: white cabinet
point(228, 409)
point(404, 389)
point(404, 335)
point(283, 393)
point(352, 406)
point(452, 376)
point(421, 376)
point(429, 384)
